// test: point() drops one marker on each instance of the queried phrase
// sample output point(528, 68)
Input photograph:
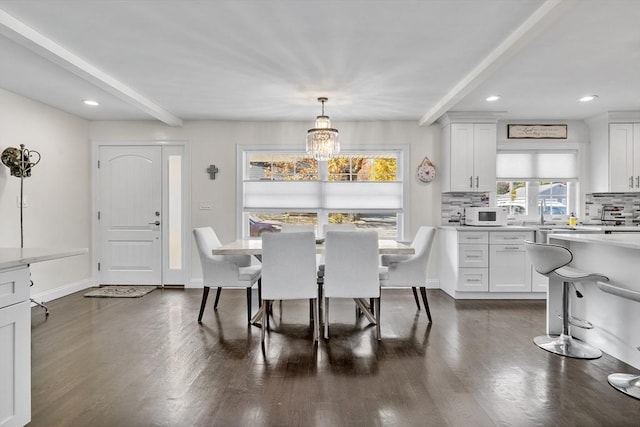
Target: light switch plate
point(206, 205)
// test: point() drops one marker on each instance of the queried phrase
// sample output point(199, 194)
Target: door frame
point(186, 204)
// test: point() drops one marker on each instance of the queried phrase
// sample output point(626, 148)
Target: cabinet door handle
point(510, 238)
point(638, 181)
point(471, 182)
point(477, 182)
point(631, 181)
point(512, 247)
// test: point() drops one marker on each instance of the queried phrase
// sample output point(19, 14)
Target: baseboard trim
point(62, 291)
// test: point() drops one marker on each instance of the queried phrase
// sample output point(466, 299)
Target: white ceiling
point(177, 60)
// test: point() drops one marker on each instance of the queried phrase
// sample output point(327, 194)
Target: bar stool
point(551, 261)
point(628, 384)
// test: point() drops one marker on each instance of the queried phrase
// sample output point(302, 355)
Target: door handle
point(155, 223)
point(477, 182)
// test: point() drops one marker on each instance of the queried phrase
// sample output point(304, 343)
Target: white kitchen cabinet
point(486, 264)
point(624, 157)
point(15, 348)
point(469, 153)
point(509, 266)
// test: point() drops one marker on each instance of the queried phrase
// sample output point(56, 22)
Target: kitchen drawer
point(14, 286)
point(509, 237)
point(473, 280)
point(473, 237)
point(473, 256)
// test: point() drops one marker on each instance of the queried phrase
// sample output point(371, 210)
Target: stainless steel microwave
point(485, 216)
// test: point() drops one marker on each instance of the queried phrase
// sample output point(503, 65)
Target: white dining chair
point(289, 272)
point(224, 271)
point(297, 228)
point(337, 227)
point(331, 227)
point(352, 271)
point(411, 270)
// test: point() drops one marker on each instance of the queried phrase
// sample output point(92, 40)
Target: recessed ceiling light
point(588, 98)
point(91, 102)
point(493, 98)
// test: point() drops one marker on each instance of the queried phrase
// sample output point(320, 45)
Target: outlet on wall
point(25, 203)
point(206, 205)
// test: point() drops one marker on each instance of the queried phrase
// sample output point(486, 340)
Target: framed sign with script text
point(537, 131)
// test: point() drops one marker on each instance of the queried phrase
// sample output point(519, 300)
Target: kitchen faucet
point(542, 206)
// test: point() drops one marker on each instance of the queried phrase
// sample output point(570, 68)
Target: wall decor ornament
point(426, 170)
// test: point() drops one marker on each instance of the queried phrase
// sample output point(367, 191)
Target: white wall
point(215, 143)
point(58, 192)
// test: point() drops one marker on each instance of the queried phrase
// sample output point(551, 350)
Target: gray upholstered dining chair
point(411, 270)
point(352, 271)
point(289, 272)
point(224, 271)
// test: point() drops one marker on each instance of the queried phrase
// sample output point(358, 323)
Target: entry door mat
point(120, 291)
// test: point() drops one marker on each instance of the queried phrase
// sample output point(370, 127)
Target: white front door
point(130, 215)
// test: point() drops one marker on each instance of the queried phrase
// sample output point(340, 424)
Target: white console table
point(15, 330)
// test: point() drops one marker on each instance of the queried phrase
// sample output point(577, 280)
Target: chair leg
point(371, 306)
point(268, 310)
point(415, 297)
point(425, 302)
point(249, 306)
point(260, 292)
point(325, 305)
point(263, 322)
point(215, 303)
point(205, 295)
point(377, 303)
point(316, 323)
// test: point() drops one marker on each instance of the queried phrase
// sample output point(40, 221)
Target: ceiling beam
point(47, 48)
point(527, 31)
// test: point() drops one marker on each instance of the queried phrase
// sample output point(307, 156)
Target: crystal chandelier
point(322, 140)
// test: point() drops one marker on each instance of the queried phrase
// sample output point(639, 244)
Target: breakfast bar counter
point(616, 319)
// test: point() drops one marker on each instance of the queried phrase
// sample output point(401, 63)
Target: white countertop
point(623, 240)
point(13, 257)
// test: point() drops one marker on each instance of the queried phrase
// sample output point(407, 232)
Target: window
point(363, 187)
point(530, 179)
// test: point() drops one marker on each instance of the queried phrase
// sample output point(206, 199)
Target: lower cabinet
point(15, 348)
point(492, 262)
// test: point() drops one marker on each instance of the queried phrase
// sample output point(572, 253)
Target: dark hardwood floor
point(146, 362)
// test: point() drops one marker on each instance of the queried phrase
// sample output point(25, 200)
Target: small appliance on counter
point(485, 216)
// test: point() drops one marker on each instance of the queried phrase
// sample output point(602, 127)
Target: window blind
point(523, 165)
point(335, 195)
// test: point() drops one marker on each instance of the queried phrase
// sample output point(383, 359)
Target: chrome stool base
point(565, 345)
point(628, 384)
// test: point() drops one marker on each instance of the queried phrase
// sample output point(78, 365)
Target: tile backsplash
point(611, 207)
point(453, 205)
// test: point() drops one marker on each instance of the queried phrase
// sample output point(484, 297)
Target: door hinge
point(98, 266)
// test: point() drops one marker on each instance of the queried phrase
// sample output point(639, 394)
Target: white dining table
point(254, 247)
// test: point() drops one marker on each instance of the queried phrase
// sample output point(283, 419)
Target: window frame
point(401, 151)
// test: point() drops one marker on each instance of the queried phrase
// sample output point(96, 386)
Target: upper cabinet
point(615, 152)
point(624, 157)
point(469, 154)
